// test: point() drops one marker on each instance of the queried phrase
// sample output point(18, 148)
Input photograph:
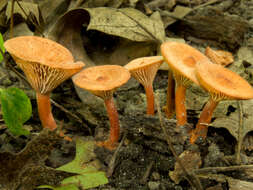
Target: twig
point(69, 113)
point(190, 176)
point(111, 165)
point(240, 131)
point(12, 21)
point(147, 173)
point(223, 169)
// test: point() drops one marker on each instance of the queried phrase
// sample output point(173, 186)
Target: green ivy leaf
point(89, 175)
point(88, 180)
point(1, 47)
point(16, 108)
point(67, 187)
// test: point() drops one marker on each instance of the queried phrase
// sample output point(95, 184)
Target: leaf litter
point(133, 25)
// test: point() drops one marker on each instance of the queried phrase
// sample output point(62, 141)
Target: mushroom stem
point(114, 122)
point(169, 108)
point(150, 99)
point(181, 114)
point(45, 114)
point(204, 120)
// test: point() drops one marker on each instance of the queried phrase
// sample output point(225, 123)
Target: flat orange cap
point(102, 80)
point(45, 63)
point(182, 58)
point(144, 69)
point(222, 83)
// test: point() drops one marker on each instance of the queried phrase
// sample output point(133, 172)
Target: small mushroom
point(221, 84)
point(102, 81)
point(46, 64)
point(219, 57)
point(144, 70)
point(182, 59)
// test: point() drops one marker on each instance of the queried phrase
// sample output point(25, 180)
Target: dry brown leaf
point(51, 11)
point(127, 23)
point(19, 30)
point(231, 122)
point(219, 57)
point(27, 7)
point(179, 12)
point(236, 184)
point(191, 160)
point(67, 31)
point(3, 3)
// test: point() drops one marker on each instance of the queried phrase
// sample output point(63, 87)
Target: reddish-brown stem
point(44, 109)
point(150, 99)
point(114, 123)
point(170, 100)
point(180, 105)
point(204, 120)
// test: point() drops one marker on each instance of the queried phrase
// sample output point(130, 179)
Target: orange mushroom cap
point(182, 59)
point(102, 80)
point(144, 69)
point(219, 57)
point(45, 63)
point(222, 83)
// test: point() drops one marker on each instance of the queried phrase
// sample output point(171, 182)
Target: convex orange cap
point(182, 59)
point(223, 83)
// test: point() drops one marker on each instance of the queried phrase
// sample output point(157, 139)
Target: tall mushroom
point(221, 84)
point(46, 64)
point(144, 70)
point(182, 59)
point(102, 81)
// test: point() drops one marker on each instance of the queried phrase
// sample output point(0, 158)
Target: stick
point(190, 177)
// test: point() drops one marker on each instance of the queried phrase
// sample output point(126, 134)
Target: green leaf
point(89, 175)
point(88, 180)
point(16, 108)
point(127, 23)
point(65, 187)
point(84, 153)
point(1, 47)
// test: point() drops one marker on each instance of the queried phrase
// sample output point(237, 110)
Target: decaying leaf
point(219, 57)
point(3, 3)
point(231, 122)
point(127, 23)
point(27, 7)
point(26, 170)
point(191, 160)
point(179, 12)
point(19, 30)
point(235, 184)
point(51, 11)
point(67, 31)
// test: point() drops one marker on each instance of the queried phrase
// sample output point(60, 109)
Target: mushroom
point(219, 57)
point(144, 70)
point(46, 64)
point(102, 81)
point(221, 84)
point(182, 59)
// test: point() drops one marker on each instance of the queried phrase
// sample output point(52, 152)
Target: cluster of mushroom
point(189, 65)
point(47, 64)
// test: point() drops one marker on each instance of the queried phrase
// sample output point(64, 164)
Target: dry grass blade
point(190, 176)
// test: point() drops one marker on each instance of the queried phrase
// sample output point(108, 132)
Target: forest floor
point(143, 159)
